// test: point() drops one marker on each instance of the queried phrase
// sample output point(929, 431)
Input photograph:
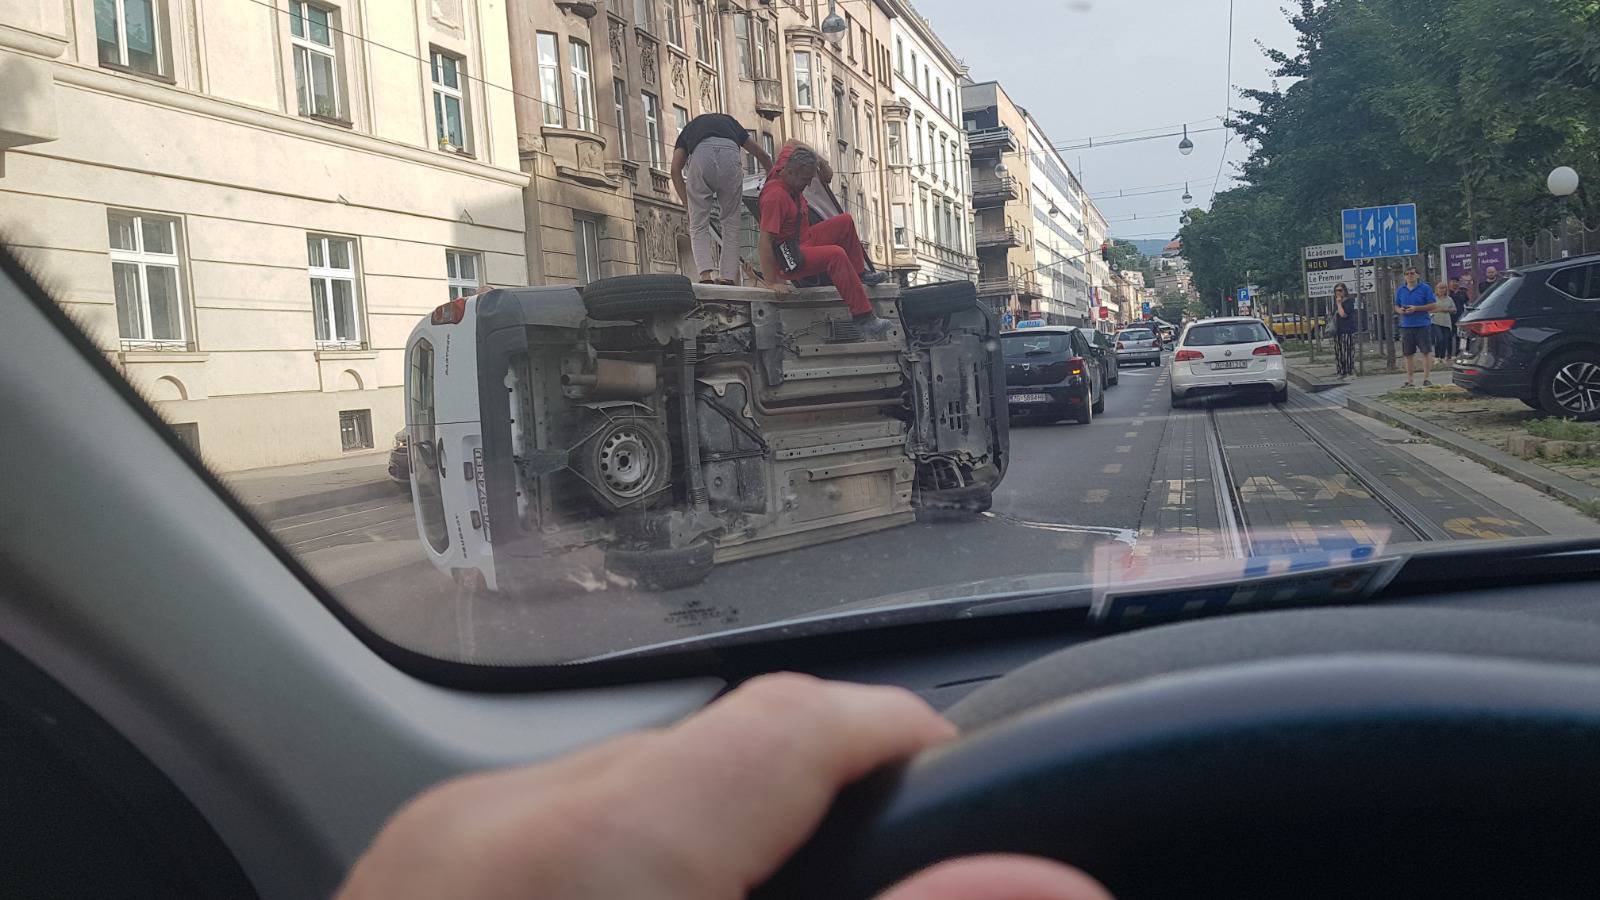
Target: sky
point(1117, 66)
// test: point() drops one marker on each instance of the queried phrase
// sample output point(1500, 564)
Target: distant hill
point(1151, 246)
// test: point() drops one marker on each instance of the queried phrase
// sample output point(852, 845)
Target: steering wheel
point(1349, 752)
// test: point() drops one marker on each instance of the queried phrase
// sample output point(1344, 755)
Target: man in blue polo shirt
point(1414, 302)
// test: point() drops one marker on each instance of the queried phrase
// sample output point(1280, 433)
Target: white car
point(1228, 357)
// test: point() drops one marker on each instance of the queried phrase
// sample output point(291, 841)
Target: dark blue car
point(1536, 337)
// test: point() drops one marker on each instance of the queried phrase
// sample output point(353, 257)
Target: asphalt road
point(1140, 489)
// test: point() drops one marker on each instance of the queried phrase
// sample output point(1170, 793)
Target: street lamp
point(1563, 181)
point(833, 25)
point(1000, 170)
point(1186, 146)
point(1186, 195)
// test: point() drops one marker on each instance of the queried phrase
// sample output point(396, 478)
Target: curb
point(1535, 476)
point(1309, 383)
point(273, 510)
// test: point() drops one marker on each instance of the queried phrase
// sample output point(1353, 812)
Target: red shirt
point(783, 214)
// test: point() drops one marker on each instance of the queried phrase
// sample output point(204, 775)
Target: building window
point(741, 40)
point(763, 40)
point(938, 93)
point(644, 14)
point(132, 34)
point(871, 135)
point(144, 273)
point(680, 117)
point(619, 100)
point(922, 215)
point(866, 217)
point(702, 32)
point(316, 63)
point(449, 104)
point(550, 79)
point(652, 127)
point(582, 87)
point(896, 151)
point(675, 22)
point(849, 39)
point(767, 145)
point(355, 429)
point(802, 78)
point(461, 271)
point(586, 248)
point(917, 147)
point(334, 307)
point(899, 56)
point(839, 123)
point(901, 238)
point(188, 434)
point(866, 52)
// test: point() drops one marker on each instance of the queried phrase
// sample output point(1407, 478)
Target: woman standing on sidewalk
point(1444, 311)
point(1344, 332)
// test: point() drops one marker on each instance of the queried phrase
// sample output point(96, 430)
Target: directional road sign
point(1380, 231)
point(1145, 307)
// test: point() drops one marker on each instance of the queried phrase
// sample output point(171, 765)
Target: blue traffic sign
point(1144, 307)
point(1243, 296)
point(1006, 320)
point(1380, 231)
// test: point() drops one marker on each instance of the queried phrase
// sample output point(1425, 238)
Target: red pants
point(833, 247)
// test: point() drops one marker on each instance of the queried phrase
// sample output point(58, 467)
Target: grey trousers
point(713, 175)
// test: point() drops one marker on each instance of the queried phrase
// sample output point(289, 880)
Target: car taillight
point(1119, 346)
point(1075, 366)
point(1267, 350)
point(1488, 326)
point(1186, 355)
point(450, 313)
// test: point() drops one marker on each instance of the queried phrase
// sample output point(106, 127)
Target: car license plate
point(1030, 398)
point(1233, 364)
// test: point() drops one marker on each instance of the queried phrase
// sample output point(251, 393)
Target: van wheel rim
point(627, 462)
point(1576, 387)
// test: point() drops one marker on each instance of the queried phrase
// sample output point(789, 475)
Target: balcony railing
point(1009, 236)
point(1004, 285)
point(769, 98)
point(946, 255)
point(991, 191)
point(990, 141)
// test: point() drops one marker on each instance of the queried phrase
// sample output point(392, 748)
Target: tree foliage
point(1444, 103)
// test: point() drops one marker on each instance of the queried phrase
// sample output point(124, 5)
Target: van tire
point(953, 504)
point(638, 298)
point(927, 302)
point(663, 568)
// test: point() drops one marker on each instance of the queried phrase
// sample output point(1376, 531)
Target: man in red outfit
point(791, 247)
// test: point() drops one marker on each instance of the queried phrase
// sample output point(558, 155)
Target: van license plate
point(1235, 364)
point(1030, 398)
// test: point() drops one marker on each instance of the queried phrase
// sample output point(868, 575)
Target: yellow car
point(1295, 325)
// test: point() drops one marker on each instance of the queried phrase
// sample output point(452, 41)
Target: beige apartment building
point(603, 89)
point(997, 133)
point(248, 205)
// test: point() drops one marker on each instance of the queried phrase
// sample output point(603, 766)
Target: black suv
point(1053, 373)
point(1536, 337)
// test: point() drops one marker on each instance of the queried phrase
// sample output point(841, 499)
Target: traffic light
point(1105, 251)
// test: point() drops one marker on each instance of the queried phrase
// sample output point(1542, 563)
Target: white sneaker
point(874, 328)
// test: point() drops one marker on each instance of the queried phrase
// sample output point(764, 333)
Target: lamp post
point(1185, 146)
point(833, 25)
point(1563, 182)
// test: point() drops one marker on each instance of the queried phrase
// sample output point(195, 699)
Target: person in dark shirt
point(1344, 331)
point(1491, 280)
point(706, 170)
point(791, 247)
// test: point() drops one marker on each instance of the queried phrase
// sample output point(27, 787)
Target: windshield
point(418, 284)
point(1226, 333)
point(1035, 344)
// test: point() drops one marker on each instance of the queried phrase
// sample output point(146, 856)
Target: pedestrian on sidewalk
point(1345, 321)
point(708, 148)
point(1491, 280)
point(1414, 302)
point(1444, 313)
point(792, 248)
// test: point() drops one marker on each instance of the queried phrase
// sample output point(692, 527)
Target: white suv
point(1228, 356)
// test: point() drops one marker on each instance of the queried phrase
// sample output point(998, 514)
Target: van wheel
point(1569, 386)
point(926, 302)
point(663, 568)
point(953, 504)
point(638, 298)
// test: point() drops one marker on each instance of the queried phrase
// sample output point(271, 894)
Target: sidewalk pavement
point(1478, 428)
point(282, 491)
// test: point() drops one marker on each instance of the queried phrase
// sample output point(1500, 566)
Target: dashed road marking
point(1124, 448)
point(1096, 495)
point(1112, 469)
point(1137, 422)
point(1130, 434)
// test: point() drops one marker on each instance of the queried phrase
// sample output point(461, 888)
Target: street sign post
point(1375, 231)
point(1326, 267)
